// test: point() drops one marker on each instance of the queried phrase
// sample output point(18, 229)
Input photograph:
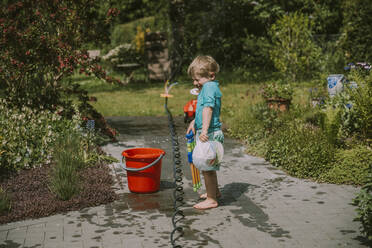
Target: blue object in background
point(90, 124)
point(349, 105)
point(335, 84)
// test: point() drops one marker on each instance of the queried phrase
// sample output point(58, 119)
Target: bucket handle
point(140, 169)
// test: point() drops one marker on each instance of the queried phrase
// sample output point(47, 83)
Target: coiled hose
point(178, 192)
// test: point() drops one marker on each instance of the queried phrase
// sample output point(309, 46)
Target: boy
point(207, 125)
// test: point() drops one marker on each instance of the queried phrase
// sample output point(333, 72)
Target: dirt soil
point(31, 198)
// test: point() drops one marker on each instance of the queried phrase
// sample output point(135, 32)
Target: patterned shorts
point(212, 136)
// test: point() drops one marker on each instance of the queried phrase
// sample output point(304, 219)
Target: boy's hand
point(203, 137)
point(191, 127)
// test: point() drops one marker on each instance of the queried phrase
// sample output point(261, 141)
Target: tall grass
point(68, 157)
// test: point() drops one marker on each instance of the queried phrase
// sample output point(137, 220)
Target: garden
point(277, 61)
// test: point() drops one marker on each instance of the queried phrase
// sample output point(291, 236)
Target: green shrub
point(362, 101)
point(332, 124)
point(294, 53)
point(363, 201)
point(29, 135)
point(126, 33)
point(253, 123)
point(257, 148)
point(4, 201)
point(349, 113)
point(256, 123)
point(302, 150)
point(68, 158)
point(278, 91)
point(315, 117)
point(332, 54)
point(257, 57)
point(350, 166)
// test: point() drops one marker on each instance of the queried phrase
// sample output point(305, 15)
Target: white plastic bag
point(207, 154)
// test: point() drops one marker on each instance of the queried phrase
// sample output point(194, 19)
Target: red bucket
point(143, 166)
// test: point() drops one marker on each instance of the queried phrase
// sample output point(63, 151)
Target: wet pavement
point(260, 205)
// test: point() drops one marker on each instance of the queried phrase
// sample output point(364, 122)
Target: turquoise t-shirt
point(209, 96)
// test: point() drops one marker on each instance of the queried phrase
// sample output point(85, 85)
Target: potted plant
point(278, 95)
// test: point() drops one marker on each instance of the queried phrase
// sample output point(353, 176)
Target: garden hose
point(178, 192)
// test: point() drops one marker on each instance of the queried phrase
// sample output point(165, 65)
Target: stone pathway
point(260, 206)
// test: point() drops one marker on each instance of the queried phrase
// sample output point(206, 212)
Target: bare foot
point(207, 204)
point(204, 196)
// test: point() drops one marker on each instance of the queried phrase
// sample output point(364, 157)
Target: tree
point(356, 37)
point(40, 45)
point(294, 53)
point(176, 17)
point(216, 29)
point(130, 10)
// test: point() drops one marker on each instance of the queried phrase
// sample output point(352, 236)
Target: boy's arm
point(191, 127)
point(207, 116)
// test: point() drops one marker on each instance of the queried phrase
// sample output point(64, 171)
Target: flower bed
point(30, 196)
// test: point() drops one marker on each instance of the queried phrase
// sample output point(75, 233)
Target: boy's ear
point(212, 75)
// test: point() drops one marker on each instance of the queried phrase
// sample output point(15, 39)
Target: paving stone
point(112, 241)
point(10, 243)
point(94, 242)
point(54, 231)
point(74, 244)
point(8, 226)
point(48, 244)
point(17, 235)
point(133, 243)
point(35, 235)
point(3, 235)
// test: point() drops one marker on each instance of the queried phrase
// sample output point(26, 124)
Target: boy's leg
point(218, 192)
point(210, 179)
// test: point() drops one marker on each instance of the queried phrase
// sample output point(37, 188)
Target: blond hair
point(203, 66)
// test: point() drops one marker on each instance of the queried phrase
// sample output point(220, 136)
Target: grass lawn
point(143, 98)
